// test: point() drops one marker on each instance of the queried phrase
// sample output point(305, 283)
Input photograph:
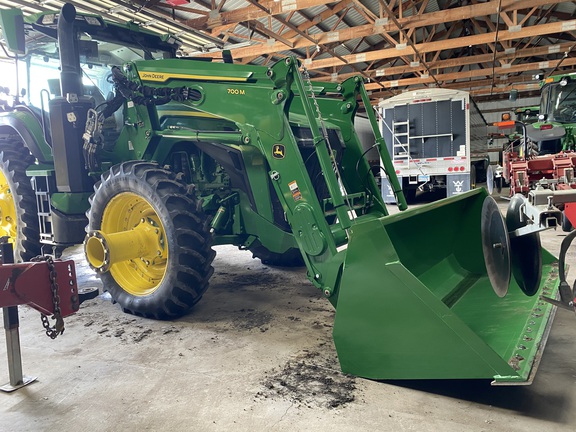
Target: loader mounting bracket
point(526, 248)
point(567, 295)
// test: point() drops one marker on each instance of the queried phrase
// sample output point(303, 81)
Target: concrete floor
point(256, 354)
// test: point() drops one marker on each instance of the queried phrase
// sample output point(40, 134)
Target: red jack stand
point(47, 286)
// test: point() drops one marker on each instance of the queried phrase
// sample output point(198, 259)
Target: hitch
point(46, 285)
point(567, 295)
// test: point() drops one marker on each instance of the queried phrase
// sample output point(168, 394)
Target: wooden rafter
point(430, 19)
point(470, 74)
point(481, 45)
point(485, 38)
point(252, 12)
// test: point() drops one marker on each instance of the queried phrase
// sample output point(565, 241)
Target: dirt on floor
point(256, 353)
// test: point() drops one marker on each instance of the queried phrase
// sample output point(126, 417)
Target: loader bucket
point(415, 301)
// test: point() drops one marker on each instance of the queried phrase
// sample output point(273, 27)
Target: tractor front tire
point(19, 214)
point(167, 285)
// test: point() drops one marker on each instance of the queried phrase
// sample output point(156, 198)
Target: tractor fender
point(29, 129)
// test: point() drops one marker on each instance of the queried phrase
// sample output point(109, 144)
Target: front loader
point(187, 154)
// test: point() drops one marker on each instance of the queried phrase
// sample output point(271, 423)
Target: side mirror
point(513, 95)
point(12, 22)
point(227, 56)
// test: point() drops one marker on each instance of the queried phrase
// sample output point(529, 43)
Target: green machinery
point(186, 154)
point(554, 131)
point(549, 127)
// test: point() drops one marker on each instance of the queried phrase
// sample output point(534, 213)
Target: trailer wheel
point(291, 258)
point(499, 182)
point(566, 224)
point(18, 210)
point(410, 195)
point(171, 274)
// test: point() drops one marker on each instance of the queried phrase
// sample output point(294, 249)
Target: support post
point(11, 325)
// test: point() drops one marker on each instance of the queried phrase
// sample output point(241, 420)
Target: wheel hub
point(130, 244)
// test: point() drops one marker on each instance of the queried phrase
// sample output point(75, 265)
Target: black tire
point(410, 195)
point(499, 182)
point(472, 176)
point(291, 258)
point(188, 264)
point(19, 196)
point(566, 224)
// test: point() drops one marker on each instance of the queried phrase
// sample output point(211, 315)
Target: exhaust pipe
point(68, 112)
point(71, 73)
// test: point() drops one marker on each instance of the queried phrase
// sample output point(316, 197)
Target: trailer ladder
point(401, 141)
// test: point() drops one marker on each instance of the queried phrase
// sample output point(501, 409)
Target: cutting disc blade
point(496, 246)
point(526, 251)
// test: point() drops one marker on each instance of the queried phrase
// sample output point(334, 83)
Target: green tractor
point(554, 131)
point(150, 160)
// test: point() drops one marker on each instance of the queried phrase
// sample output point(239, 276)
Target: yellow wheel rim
point(8, 210)
point(139, 276)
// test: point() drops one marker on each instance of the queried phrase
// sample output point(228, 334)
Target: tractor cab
point(93, 47)
point(554, 130)
point(558, 101)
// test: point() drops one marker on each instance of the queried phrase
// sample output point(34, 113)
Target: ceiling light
point(117, 9)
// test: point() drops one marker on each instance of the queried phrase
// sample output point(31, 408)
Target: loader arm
point(235, 93)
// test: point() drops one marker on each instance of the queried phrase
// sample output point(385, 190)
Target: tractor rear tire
point(19, 213)
point(291, 258)
point(166, 286)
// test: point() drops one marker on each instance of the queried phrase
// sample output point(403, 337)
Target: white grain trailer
point(428, 137)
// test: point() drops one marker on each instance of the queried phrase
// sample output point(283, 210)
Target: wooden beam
point(273, 35)
point(375, 97)
point(462, 61)
point(429, 19)
point(252, 13)
point(469, 74)
point(485, 38)
point(330, 11)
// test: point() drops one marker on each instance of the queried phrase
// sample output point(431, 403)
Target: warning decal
point(295, 191)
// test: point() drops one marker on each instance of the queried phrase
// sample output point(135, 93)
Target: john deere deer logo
point(278, 151)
